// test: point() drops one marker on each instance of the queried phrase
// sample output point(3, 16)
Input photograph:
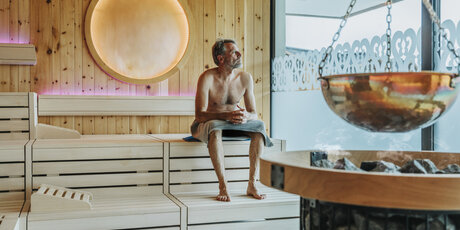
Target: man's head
point(226, 52)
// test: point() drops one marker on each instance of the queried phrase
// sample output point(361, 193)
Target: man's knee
point(256, 136)
point(215, 135)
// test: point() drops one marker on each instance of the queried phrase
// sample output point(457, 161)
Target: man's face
point(232, 56)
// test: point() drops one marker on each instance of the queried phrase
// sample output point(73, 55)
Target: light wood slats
point(199, 188)
point(100, 180)
point(207, 176)
point(67, 47)
point(11, 196)
point(78, 48)
point(292, 223)
point(95, 141)
point(20, 99)
point(11, 206)
point(97, 166)
point(14, 136)
point(266, 75)
point(8, 184)
point(12, 169)
point(205, 163)
point(245, 211)
point(116, 206)
point(14, 113)
point(14, 125)
point(109, 222)
point(200, 149)
point(11, 155)
point(108, 193)
point(9, 222)
point(115, 105)
point(170, 228)
point(17, 54)
point(95, 153)
point(230, 148)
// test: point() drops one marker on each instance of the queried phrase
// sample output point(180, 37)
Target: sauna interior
point(97, 100)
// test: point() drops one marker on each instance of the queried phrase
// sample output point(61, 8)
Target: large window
point(447, 130)
point(306, 121)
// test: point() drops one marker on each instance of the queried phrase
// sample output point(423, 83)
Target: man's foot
point(223, 196)
point(252, 191)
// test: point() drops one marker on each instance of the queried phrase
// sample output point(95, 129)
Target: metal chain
point(335, 38)
point(442, 31)
point(388, 32)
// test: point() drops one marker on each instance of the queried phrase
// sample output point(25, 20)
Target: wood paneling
point(65, 67)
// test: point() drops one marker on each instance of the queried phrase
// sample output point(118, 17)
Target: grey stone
point(452, 168)
point(424, 166)
point(383, 166)
point(323, 164)
point(346, 164)
point(436, 223)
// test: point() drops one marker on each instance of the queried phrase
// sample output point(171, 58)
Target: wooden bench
point(192, 181)
point(123, 172)
point(18, 116)
point(12, 184)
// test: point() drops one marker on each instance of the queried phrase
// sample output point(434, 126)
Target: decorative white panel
point(299, 72)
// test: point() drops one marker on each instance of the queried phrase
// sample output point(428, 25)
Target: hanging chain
point(335, 38)
point(388, 32)
point(442, 31)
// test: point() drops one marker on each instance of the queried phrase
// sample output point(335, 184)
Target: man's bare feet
point(252, 191)
point(223, 194)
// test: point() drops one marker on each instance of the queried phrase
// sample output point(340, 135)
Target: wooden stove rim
point(403, 191)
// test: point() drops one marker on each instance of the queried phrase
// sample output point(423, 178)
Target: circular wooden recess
point(399, 191)
point(139, 41)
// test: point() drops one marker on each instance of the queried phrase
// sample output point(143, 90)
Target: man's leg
point(216, 152)
point(256, 149)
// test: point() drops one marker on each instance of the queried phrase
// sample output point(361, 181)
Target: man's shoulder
point(245, 76)
point(208, 73)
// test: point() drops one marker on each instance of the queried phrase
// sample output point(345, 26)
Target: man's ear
point(220, 58)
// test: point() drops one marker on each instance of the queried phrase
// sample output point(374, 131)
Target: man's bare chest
point(225, 94)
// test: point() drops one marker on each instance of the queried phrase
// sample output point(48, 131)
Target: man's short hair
point(219, 48)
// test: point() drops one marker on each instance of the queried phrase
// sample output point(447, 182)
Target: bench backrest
point(18, 116)
point(12, 174)
point(99, 162)
point(191, 170)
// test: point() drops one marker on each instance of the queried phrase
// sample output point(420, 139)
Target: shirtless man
point(219, 91)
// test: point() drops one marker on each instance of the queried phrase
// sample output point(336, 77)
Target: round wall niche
point(138, 41)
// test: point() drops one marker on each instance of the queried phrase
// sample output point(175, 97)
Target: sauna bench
point(13, 207)
point(146, 181)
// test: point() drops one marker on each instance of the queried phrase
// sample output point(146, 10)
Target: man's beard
point(237, 64)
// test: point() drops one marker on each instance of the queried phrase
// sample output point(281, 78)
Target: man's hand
point(239, 116)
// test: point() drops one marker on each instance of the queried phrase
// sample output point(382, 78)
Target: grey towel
point(201, 131)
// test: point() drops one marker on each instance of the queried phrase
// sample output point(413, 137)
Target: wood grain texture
point(406, 191)
point(65, 67)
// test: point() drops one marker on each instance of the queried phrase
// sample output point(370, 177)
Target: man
point(218, 94)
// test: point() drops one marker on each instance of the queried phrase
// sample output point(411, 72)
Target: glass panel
point(447, 129)
point(300, 114)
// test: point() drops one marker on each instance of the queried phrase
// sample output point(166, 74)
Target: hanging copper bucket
point(390, 102)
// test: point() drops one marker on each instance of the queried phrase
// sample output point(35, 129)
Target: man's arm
point(201, 102)
point(249, 98)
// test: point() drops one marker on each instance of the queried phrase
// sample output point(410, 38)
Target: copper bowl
point(390, 102)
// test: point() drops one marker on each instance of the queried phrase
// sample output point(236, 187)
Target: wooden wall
point(64, 66)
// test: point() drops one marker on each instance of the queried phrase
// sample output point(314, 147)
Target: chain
point(335, 38)
point(388, 33)
point(442, 31)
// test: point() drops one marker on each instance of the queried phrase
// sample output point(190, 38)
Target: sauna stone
point(423, 166)
point(379, 166)
point(346, 164)
point(452, 168)
point(323, 163)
